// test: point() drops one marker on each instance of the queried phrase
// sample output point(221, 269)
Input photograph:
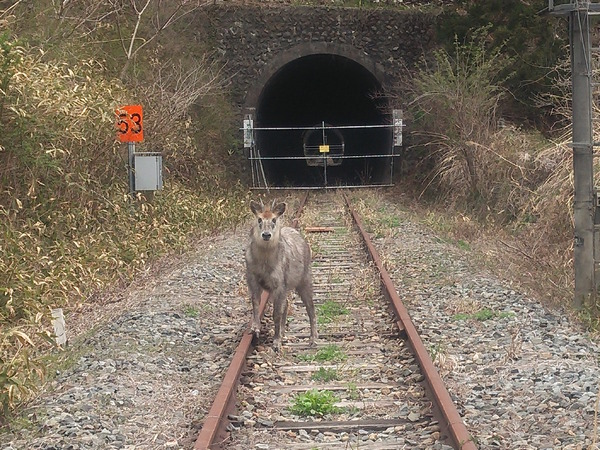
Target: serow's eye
point(259, 221)
point(274, 221)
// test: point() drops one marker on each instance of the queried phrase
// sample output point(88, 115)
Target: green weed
point(330, 352)
point(391, 221)
point(191, 311)
point(325, 374)
point(315, 403)
point(482, 315)
point(436, 350)
point(463, 245)
point(352, 390)
point(329, 310)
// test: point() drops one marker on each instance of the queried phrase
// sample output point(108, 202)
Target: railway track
point(368, 384)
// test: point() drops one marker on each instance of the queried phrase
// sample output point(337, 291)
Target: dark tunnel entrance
point(338, 94)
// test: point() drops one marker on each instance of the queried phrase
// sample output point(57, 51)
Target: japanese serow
point(278, 261)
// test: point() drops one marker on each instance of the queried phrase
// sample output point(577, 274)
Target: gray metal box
point(148, 171)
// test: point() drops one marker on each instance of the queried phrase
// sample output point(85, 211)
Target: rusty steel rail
point(449, 414)
point(215, 424)
point(216, 421)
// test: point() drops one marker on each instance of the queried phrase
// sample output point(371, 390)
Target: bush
point(455, 98)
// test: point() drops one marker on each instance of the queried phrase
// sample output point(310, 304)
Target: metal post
point(583, 167)
point(324, 155)
point(251, 152)
point(398, 116)
point(130, 168)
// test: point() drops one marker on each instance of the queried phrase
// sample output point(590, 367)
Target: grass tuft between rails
point(329, 311)
point(315, 403)
point(331, 352)
point(325, 374)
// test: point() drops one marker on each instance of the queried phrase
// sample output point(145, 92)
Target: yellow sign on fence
point(324, 148)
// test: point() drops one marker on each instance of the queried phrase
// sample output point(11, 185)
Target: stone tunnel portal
point(319, 89)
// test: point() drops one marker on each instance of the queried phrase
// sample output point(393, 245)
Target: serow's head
point(267, 220)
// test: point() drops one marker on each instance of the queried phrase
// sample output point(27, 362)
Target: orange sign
point(129, 123)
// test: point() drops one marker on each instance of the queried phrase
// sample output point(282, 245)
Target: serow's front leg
point(255, 325)
point(279, 319)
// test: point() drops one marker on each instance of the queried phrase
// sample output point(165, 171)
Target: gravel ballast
point(143, 370)
point(144, 377)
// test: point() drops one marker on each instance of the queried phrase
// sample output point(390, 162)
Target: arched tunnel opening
point(330, 100)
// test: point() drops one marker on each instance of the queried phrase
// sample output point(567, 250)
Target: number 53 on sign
point(129, 123)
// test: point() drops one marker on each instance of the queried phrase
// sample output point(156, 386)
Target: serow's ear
point(256, 207)
point(279, 208)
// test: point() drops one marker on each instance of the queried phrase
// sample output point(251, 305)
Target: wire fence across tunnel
point(322, 156)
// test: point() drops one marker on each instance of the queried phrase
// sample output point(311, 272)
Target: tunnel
point(325, 99)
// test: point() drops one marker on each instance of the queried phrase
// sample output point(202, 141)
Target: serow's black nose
point(266, 236)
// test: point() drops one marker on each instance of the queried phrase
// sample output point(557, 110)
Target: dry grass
point(463, 305)
point(68, 229)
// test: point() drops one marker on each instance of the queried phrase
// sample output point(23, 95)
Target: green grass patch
point(191, 311)
point(315, 403)
point(482, 315)
point(352, 390)
point(341, 231)
point(463, 245)
point(437, 223)
point(329, 353)
point(391, 221)
point(325, 374)
point(329, 310)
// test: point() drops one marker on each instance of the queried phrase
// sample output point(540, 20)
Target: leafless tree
point(159, 13)
point(175, 88)
point(137, 22)
point(80, 16)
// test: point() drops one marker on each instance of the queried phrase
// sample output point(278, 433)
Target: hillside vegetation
point(69, 230)
point(474, 150)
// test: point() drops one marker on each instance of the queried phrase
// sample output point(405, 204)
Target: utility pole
point(584, 205)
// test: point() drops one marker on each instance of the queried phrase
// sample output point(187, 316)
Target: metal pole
point(252, 167)
point(130, 168)
point(398, 119)
point(583, 206)
point(324, 156)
